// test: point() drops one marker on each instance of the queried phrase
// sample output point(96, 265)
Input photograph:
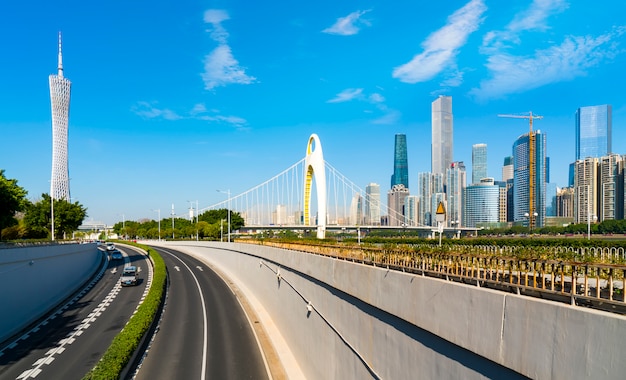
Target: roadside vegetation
point(124, 345)
point(21, 218)
point(211, 225)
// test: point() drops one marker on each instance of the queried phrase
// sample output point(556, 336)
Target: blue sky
point(173, 100)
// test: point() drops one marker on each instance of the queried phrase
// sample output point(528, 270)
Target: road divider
point(124, 345)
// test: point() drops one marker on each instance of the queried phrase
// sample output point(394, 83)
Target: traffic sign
point(440, 214)
point(441, 209)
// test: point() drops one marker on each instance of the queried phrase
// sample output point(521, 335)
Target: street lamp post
point(589, 216)
point(227, 192)
point(458, 231)
point(52, 214)
point(173, 222)
point(123, 225)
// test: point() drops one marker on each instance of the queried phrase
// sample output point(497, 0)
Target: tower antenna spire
point(60, 57)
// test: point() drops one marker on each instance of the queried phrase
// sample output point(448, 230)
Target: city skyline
point(172, 104)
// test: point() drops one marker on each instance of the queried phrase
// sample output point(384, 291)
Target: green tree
point(12, 200)
point(214, 216)
point(67, 217)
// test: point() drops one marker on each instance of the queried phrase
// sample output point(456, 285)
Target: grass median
point(127, 341)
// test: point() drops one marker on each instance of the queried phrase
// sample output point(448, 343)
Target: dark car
point(116, 255)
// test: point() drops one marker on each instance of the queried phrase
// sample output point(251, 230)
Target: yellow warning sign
point(440, 209)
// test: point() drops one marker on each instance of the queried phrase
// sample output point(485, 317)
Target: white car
point(129, 276)
point(110, 247)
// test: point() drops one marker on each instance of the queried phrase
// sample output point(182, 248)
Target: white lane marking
point(114, 270)
point(200, 268)
point(177, 268)
point(29, 373)
point(204, 316)
point(71, 337)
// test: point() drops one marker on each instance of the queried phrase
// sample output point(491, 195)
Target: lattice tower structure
point(60, 103)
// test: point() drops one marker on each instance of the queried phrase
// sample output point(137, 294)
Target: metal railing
point(599, 285)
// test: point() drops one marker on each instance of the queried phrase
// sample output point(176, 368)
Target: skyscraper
point(529, 183)
point(442, 128)
point(507, 178)
point(372, 204)
point(456, 180)
point(429, 184)
point(396, 206)
point(411, 210)
point(611, 187)
point(356, 210)
point(507, 169)
point(479, 162)
point(593, 131)
point(586, 194)
point(60, 102)
point(400, 163)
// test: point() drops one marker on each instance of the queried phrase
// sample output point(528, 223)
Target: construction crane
point(531, 164)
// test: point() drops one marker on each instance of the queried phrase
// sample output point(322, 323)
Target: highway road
point(204, 333)
point(71, 340)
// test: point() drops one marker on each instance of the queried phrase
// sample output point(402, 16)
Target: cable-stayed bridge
point(312, 194)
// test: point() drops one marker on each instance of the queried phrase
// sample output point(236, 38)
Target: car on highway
point(110, 246)
point(116, 255)
point(129, 276)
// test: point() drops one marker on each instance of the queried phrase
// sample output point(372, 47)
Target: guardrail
point(591, 284)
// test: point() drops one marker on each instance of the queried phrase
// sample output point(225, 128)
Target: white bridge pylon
point(314, 165)
point(287, 199)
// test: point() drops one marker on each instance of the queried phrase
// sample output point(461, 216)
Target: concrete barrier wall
point(373, 322)
point(35, 279)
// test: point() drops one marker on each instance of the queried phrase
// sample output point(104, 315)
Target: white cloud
point(534, 18)
point(376, 98)
point(198, 108)
point(215, 18)
point(198, 112)
point(349, 25)
point(570, 59)
point(389, 118)
point(441, 47)
point(510, 73)
point(347, 95)
point(235, 120)
point(220, 66)
point(148, 111)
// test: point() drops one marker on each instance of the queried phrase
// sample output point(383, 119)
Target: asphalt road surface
point(73, 338)
point(204, 333)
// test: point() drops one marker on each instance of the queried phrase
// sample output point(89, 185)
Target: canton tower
point(60, 102)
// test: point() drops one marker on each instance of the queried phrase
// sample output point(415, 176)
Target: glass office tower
point(593, 131)
point(479, 162)
point(400, 163)
point(442, 135)
point(481, 203)
point(60, 103)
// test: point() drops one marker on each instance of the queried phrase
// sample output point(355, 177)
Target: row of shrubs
point(127, 341)
point(501, 242)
